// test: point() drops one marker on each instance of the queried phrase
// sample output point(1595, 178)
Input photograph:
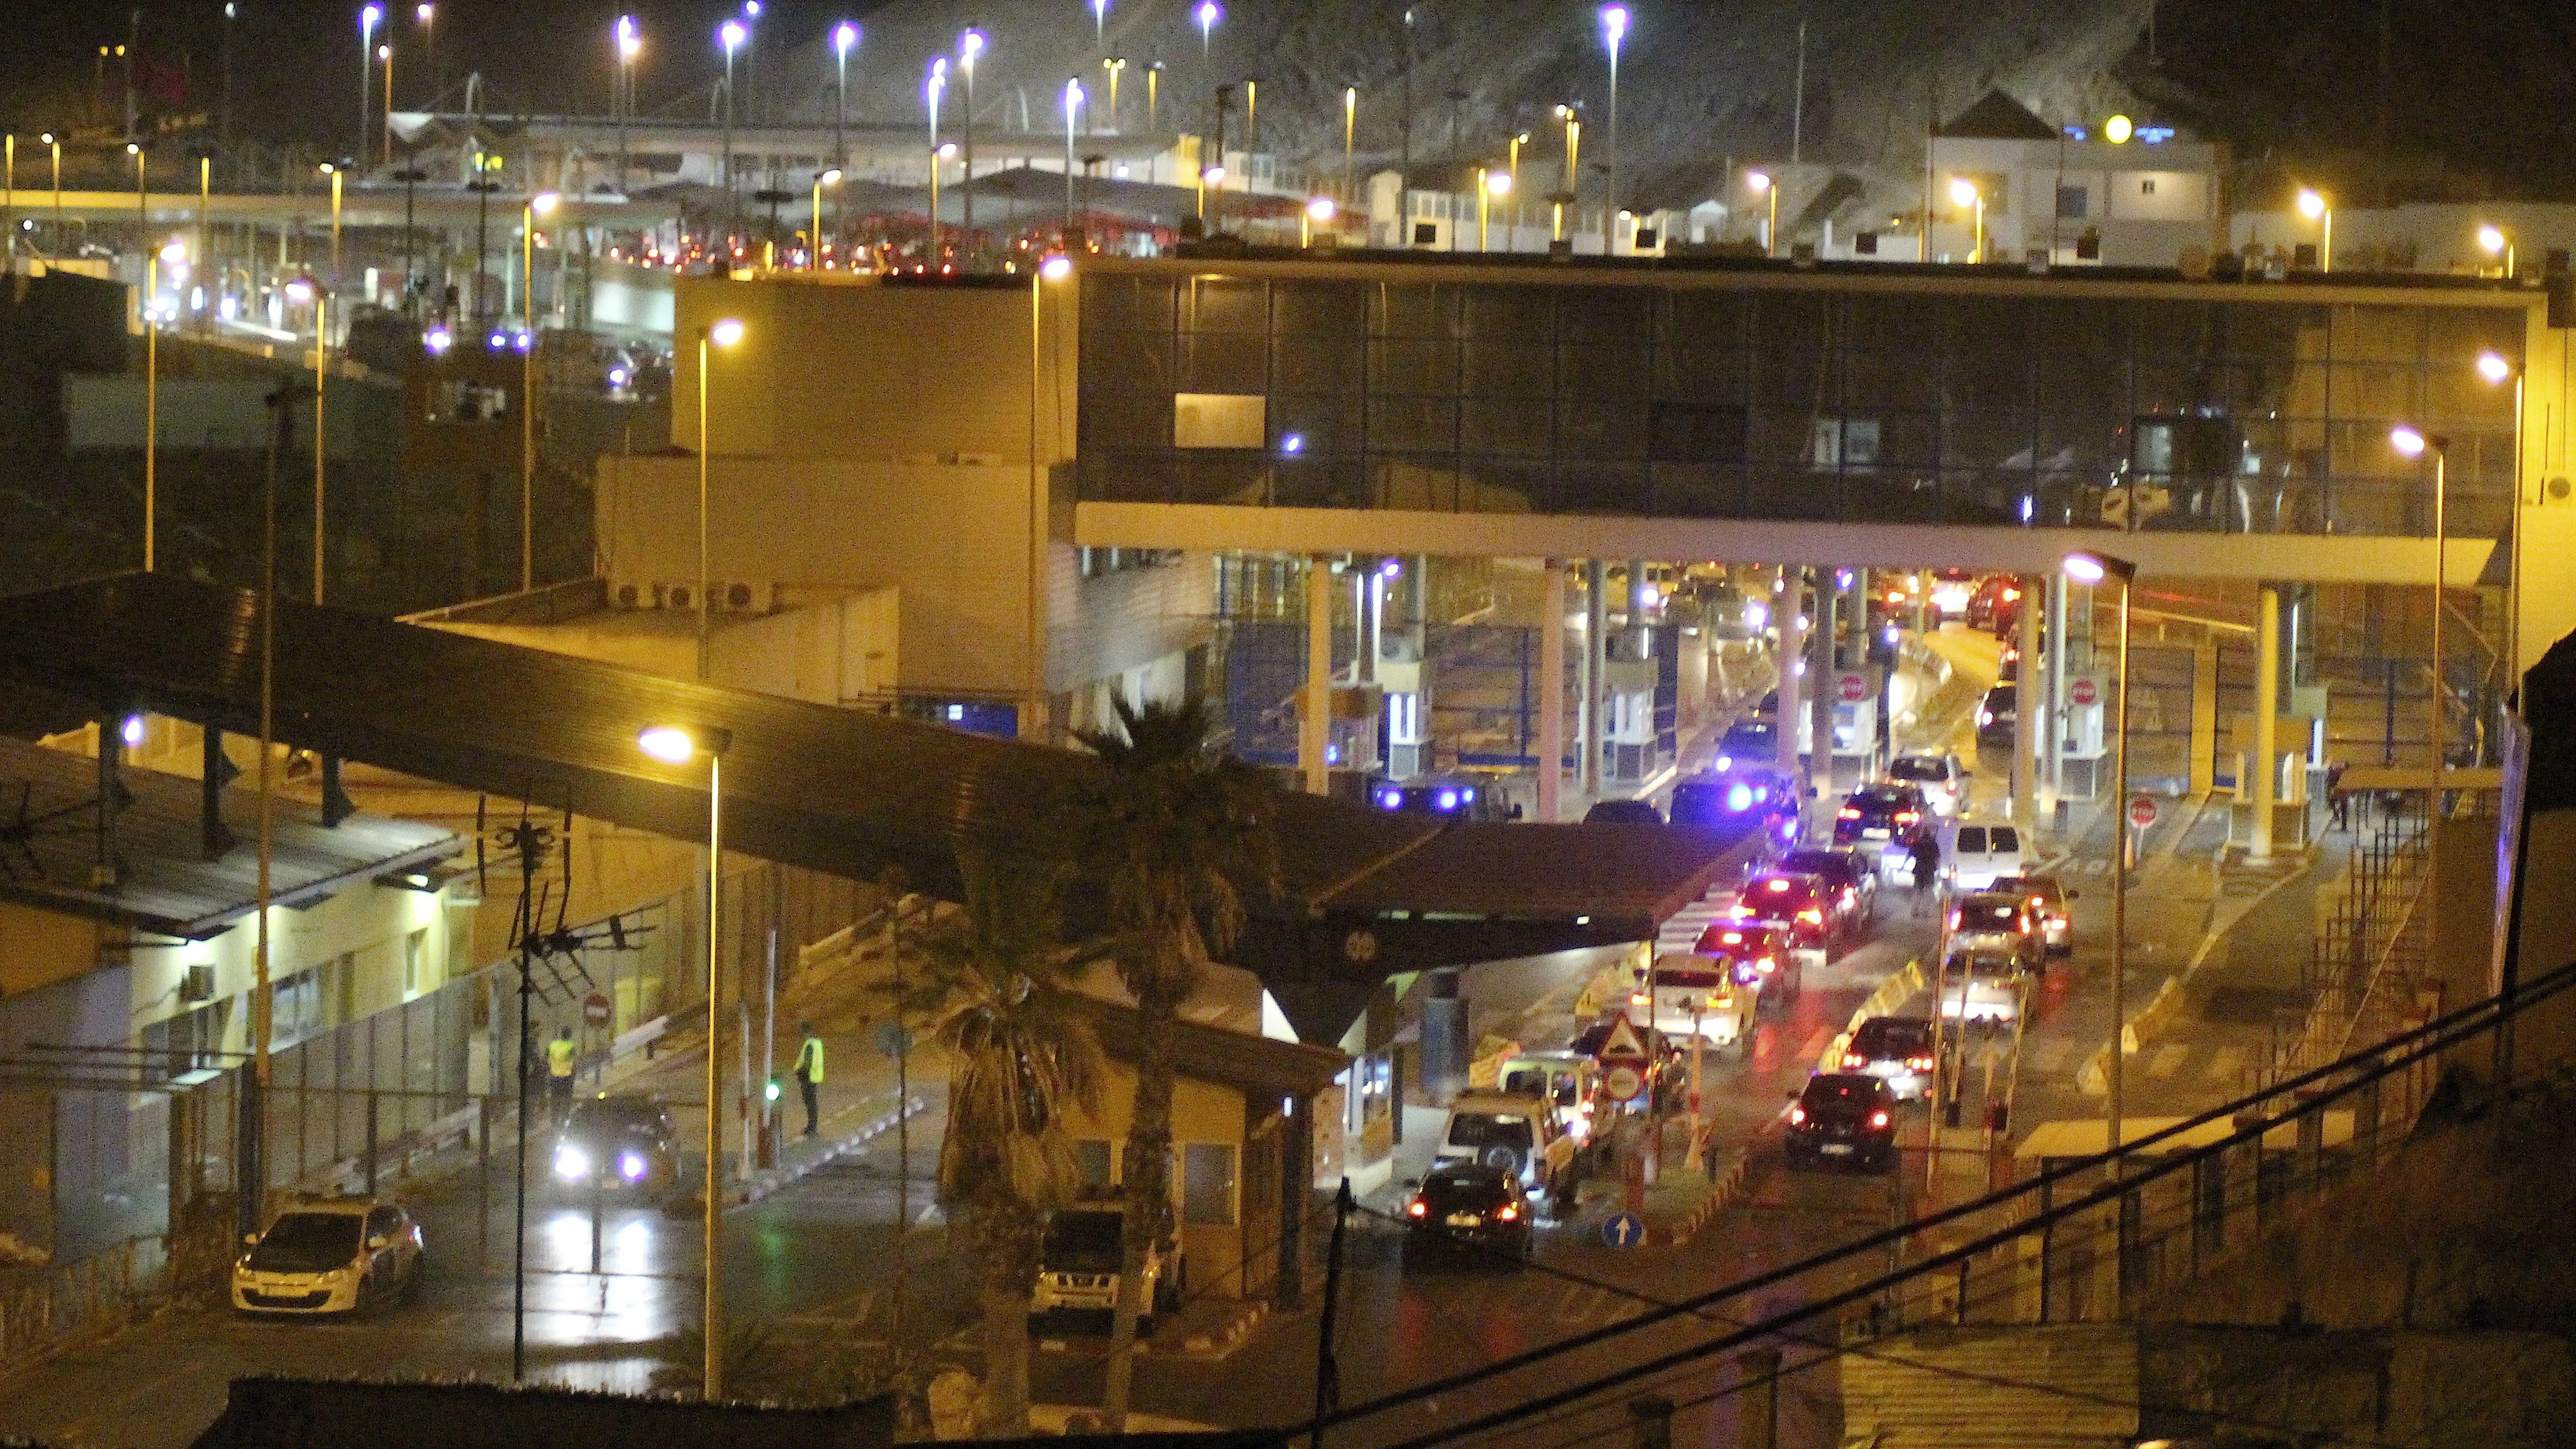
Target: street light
point(424, 12)
point(1114, 65)
point(2088, 567)
point(1570, 192)
point(730, 35)
point(1760, 183)
point(541, 204)
point(56, 142)
point(1072, 108)
point(845, 37)
point(828, 176)
point(2493, 241)
point(630, 43)
point(1964, 194)
point(1209, 12)
point(2316, 208)
point(969, 46)
point(680, 745)
point(2411, 443)
point(367, 21)
point(723, 333)
point(1614, 29)
point(385, 55)
point(1350, 139)
point(1319, 210)
point(937, 87)
point(1489, 184)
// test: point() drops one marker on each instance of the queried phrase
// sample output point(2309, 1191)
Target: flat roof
point(48, 842)
point(1363, 892)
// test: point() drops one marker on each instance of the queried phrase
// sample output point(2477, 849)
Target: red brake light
point(1878, 1119)
point(1854, 1059)
point(1741, 911)
point(1733, 938)
point(1848, 812)
point(1812, 916)
point(1638, 998)
point(1507, 1213)
point(1908, 817)
point(1797, 1115)
point(1768, 963)
point(1920, 1064)
point(1776, 884)
point(1418, 1208)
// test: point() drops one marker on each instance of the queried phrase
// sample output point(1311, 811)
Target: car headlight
point(335, 1275)
point(571, 1163)
point(630, 1166)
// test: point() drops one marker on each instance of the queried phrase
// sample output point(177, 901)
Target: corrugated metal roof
point(170, 888)
point(2069, 1386)
point(1259, 1066)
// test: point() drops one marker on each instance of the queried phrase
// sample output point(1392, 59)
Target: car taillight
point(1920, 1064)
point(1768, 964)
point(1878, 1119)
point(1854, 1059)
point(1741, 912)
point(1848, 812)
point(1639, 998)
point(1797, 1115)
point(1507, 1213)
point(1908, 817)
point(1812, 916)
point(1418, 1208)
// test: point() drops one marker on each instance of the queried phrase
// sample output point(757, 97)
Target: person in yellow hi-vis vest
point(560, 1055)
point(809, 1076)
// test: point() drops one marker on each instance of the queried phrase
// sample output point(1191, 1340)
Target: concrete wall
point(852, 369)
point(828, 652)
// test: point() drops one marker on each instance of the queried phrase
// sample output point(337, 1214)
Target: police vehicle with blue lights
point(1456, 799)
point(1737, 797)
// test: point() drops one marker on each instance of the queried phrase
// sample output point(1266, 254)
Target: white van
point(1520, 1135)
point(1977, 853)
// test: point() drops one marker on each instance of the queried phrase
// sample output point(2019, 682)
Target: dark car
point(1997, 715)
point(1845, 1117)
point(1469, 1209)
point(1732, 797)
point(1854, 880)
point(1455, 799)
point(618, 1143)
point(1754, 955)
point(1749, 742)
point(1801, 907)
point(1895, 1049)
point(1884, 814)
point(1623, 812)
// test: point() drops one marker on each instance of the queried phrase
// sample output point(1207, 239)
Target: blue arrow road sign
point(1624, 1230)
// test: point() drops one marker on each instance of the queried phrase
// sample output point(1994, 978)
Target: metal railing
point(54, 1305)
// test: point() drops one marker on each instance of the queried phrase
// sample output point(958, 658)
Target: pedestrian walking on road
point(1927, 868)
point(560, 1058)
point(809, 1077)
point(2339, 802)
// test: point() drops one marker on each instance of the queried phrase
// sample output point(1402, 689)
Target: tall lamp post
point(1072, 108)
point(368, 18)
point(2495, 243)
point(1208, 14)
point(630, 43)
point(2088, 567)
point(1350, 140)
point(724, 333)
point(1115, 66)
point(1614, 29)
point(845, 36)
point(680, 745)
point(828, 176)
point(730, 35)
point(1489, 185)
point(969, 46)
point(937, 87)
point(541, 204)
point(1965, 196)
point(2314, 206)
point(1760, 184)
point(2411, 442)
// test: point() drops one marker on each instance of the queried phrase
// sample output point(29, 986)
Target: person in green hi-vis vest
point(809, 1075)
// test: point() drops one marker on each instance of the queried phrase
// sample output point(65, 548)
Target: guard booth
point(1404, 705)
point(1628, 710)
point(2081, 751)
point(1856, 697)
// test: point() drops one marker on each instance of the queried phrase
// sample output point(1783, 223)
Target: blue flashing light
point(1445, 800)
point(524, 341)
point(438, 341)
point(1467, 795)
point(1332, 754)
point(1762, 792)
point(1739, 797)
point(2154, 135)
point(2074, 133)
point(1293, 444)
point(500, 340)
point(1725, 762)
point(1390, 799)
point(1842, 578)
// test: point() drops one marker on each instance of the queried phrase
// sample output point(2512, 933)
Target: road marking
point(1815, 1043)
point(2168, 1060)
point(2225, 1064)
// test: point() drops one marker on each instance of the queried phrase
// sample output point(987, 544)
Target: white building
point(2065, 197)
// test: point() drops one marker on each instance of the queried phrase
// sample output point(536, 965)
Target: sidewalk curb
point(771, 1180)
point(2094, 1078)
point(1210, 1347)
point(1721, 1196)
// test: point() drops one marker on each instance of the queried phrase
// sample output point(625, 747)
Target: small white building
point(2063, 196)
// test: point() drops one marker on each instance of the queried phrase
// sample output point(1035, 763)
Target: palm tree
point(1184, 833)
point(992, 987)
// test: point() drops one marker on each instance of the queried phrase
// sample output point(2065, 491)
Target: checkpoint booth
point(2083, 747)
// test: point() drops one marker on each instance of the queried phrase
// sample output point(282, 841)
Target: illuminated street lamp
point(1319, 211)
point(1760, 184)
point(1350, 139)
point(723, 333)
point(845, 38)
point(630, 43)
point(1115, 66)
point(1208, 13)
point(2410, 442)
point(541, 204)
point(828, 176)
point(1100, 23)
point(2493, 241)
point(1965, 195)
point(679, 745)
point(969, 46)
point(1489, 184)
point(368, 18)
point(730, 35)
point(2089, 568)
point(1568, 193)
point(1614, 29)
point(932, 91)
point(1073, 99)
point(2316, 208)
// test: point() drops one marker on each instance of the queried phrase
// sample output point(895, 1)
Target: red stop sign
point(2081, 691)
point(1854, 689)
point(2142, 812)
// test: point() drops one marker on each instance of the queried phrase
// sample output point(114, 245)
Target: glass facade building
point(1824, 396)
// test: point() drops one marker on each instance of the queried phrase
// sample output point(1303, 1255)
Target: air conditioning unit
point(740, 597)
point(197, 983)
point(629, 596)
point(675, 596)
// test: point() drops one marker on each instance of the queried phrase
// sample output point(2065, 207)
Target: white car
point(1941, 778)
point(1519, 1135)
point(330, 1255)
point(1977, 853)
point(1982, 986)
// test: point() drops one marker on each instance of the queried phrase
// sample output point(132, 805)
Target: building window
point(2074, 203)
point(415, 962)
point(1207, 1183)
point(2146, 186)
point(1092, 1155)
point(1220, 420)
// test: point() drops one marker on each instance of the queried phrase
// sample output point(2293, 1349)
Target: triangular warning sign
point(1622, 1043)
